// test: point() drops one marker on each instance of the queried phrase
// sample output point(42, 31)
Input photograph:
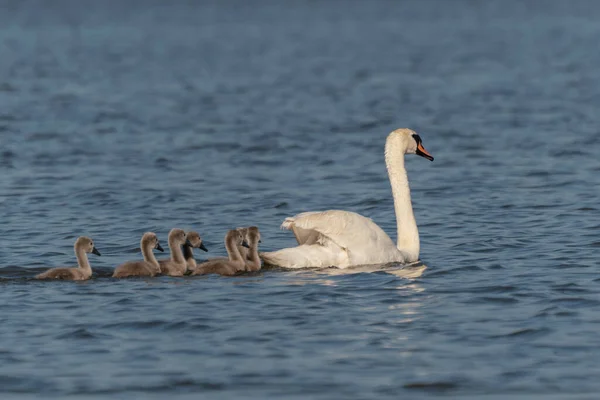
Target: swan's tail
point(305, 256)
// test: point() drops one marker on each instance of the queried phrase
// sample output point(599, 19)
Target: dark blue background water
point(122, 117)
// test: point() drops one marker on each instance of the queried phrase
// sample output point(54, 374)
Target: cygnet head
point(177, 236)
point(238, 236)
point(195, 241)
point(253, 236)
point(406, 141)
point(243, 231)
point(87, 244)
point(150, 240)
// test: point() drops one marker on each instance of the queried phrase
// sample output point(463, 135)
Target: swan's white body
point(345, 239)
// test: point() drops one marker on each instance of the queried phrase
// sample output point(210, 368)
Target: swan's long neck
point(149, 254)
point(82, 261)
point(406, 225)
point(176, 253)
point(232, 249)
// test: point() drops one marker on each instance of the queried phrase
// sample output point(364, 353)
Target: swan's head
point(150, 240)
point(406, 141)
point(87, 244)
point(237, 237)
point(177, 237)
point(253, 236)
point(195, 241)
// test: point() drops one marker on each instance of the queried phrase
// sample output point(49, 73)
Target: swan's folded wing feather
point(306, 256)
point(347, 229)
point(309, 227)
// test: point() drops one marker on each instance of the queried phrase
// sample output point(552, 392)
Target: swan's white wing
point(347, 229)
point(307, 256)
point(303, 236)
point(360, 237)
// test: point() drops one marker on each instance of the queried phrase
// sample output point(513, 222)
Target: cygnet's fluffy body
point(83, 246)
point(176, 265)
point(194, 241)
point(149, 266)
point(248, 254)
point(228, 267)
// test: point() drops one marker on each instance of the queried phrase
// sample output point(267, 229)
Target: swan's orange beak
point(423, 153)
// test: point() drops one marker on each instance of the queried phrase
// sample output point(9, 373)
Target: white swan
point(343, 238)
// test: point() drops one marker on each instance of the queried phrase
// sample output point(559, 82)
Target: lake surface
point(118, 118)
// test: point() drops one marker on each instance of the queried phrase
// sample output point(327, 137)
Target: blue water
point(118, 118)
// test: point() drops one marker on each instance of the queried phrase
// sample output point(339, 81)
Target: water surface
point(119, 118)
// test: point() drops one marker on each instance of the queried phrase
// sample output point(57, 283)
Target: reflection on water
point(410, 271)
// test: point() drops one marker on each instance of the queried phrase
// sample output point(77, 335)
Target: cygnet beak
point(202, 247)
point(95, 251)
point(245, 244)
point(188, 243)
point(159, 247)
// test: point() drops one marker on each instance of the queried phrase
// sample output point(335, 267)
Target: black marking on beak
point(259, 241)
point(245, 244)
point(202, 247)
point(159, 247)
point(96, 252)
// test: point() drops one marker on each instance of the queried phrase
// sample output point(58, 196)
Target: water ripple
point(118, 118)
